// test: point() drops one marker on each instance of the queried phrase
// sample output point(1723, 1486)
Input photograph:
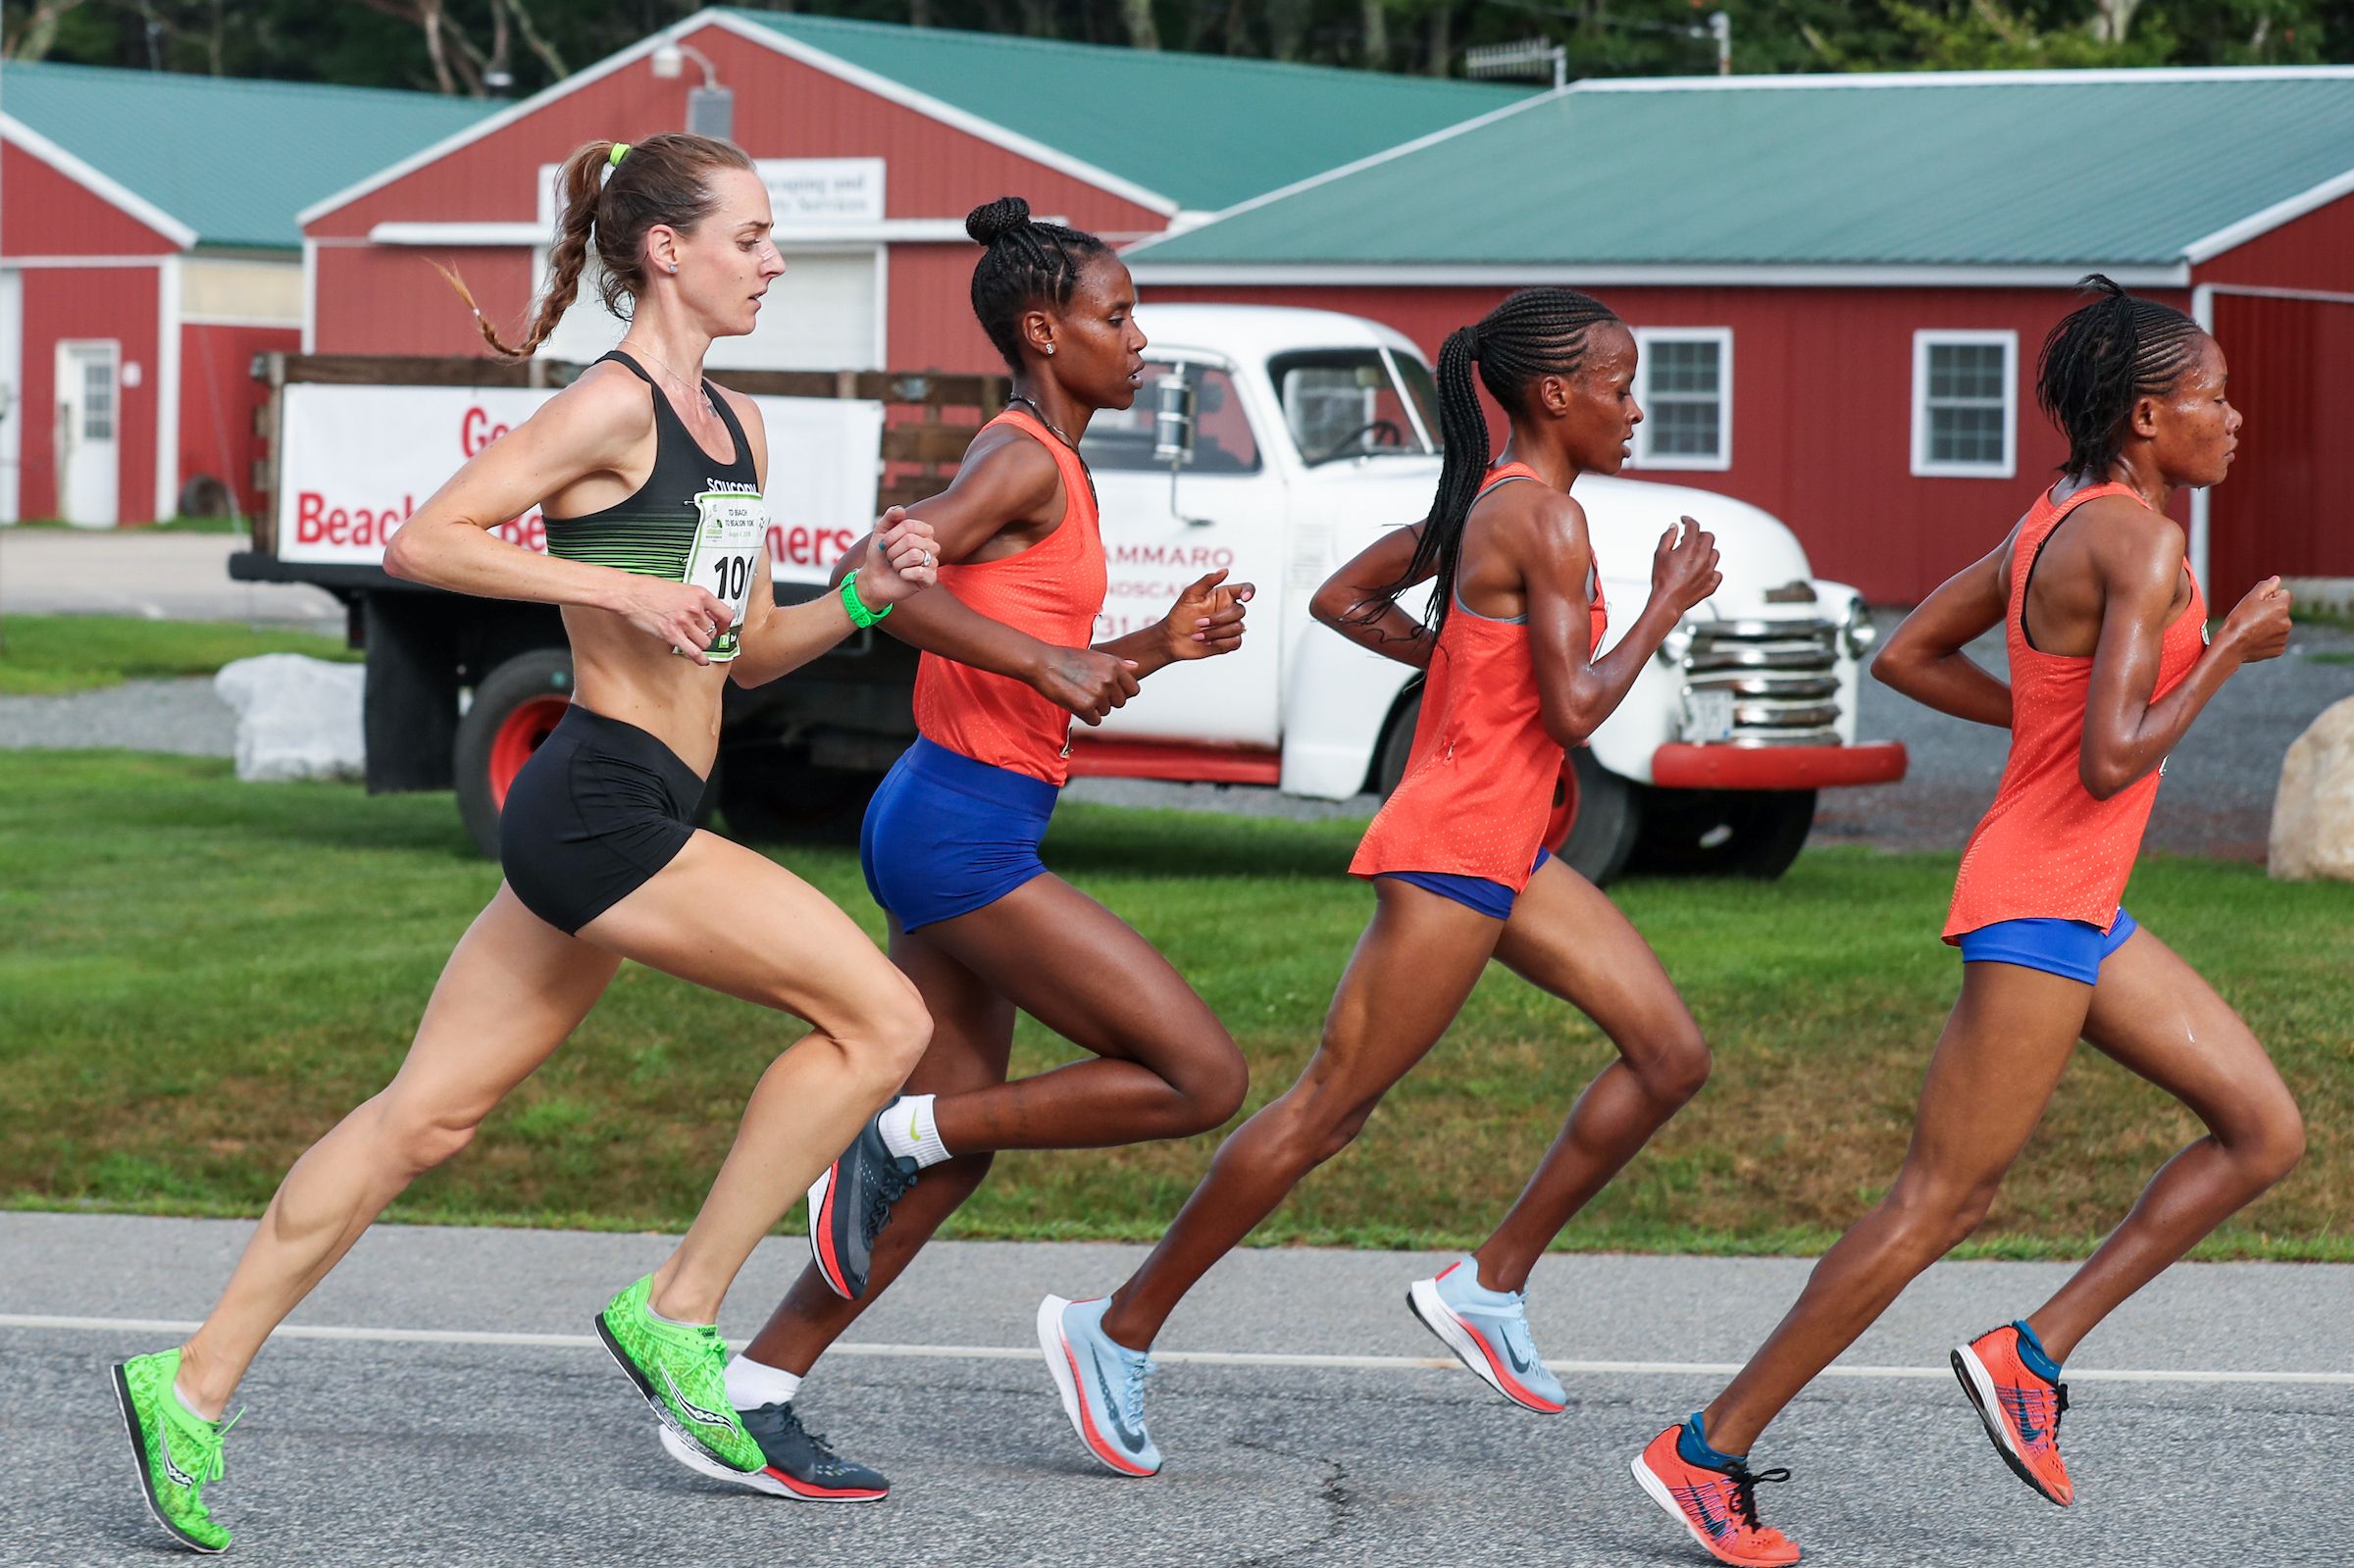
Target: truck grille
point(1781, 679)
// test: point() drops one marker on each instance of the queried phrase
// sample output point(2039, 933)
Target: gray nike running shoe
point(1101, 1383)
point(799, 1464)
point(850, 1204)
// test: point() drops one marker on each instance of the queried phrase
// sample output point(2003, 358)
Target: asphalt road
point(441, 1401)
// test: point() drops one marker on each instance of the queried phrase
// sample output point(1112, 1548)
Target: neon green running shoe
point(682, 1370)
point(178, 1451)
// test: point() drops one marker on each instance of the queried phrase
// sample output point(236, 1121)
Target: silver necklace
point(676, 378)
point(1086, 472)
point(1025, 397)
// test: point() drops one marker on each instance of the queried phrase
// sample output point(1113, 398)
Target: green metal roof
point(232, 159)
point(1988, 168)
point(1203, 130)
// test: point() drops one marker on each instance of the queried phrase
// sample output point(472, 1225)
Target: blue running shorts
point(2073, 948)
point(945, 836)
point(1491, 898)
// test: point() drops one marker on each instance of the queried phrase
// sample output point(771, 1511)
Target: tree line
point(506, 48)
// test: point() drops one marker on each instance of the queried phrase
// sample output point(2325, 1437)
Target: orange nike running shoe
point(2020, 1410)
point(1720, 1507)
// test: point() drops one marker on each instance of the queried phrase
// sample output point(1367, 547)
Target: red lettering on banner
point(1199, 557)
point(528, 530)
point(347, 527)
point(476, 432)
point(800, 545)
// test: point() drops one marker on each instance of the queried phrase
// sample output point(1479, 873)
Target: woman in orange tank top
point(1459, 875)
point(950, 841)
point(2108, 665)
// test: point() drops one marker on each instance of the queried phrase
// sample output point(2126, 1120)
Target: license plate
point(1707, 715)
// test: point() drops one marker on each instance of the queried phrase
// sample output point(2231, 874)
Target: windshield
point(1354, 402)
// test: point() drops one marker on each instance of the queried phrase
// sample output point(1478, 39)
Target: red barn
point(1840, 282)
point(147, 251)
point(875, 141)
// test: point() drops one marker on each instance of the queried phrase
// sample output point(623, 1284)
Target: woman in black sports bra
point(649, 479)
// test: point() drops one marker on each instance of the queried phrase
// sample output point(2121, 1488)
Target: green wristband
point(860, 616)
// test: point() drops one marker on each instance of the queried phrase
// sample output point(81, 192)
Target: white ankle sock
point(753, 1384)
point(910, 1131)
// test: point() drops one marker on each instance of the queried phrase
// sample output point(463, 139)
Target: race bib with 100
point(730, 528)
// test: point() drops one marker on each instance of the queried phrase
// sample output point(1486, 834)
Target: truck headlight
point(1856, 631)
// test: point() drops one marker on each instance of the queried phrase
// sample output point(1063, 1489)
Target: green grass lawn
point(45, 654)
point(198, 976)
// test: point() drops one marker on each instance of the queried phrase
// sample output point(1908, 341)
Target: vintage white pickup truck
point(1290, 438)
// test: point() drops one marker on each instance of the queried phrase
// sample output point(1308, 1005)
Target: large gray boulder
point(297, 717)
point(2313, 814)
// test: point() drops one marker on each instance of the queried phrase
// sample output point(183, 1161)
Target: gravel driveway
point(2217, 798)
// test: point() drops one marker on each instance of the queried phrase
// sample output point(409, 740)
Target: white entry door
point(12, 383)
point(89, 446)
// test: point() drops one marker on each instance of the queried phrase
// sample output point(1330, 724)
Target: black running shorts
point(597, 811)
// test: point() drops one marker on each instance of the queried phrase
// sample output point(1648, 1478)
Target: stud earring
point(674, 269)
point(1049, 351)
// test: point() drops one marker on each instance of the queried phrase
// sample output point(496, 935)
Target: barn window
point(1685, 384)
point(1964, 404)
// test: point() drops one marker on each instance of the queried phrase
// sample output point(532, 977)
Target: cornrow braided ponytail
point(1533, 333)
point(1025, 264)
point(2101, 357)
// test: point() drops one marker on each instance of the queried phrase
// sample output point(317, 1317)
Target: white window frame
point(1722, 337)
point(1929, 337)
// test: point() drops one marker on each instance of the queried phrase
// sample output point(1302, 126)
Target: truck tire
point(1724, 833)
point(515, 708)
point(1396, 741)
point(773, 793)
point(1609, 809)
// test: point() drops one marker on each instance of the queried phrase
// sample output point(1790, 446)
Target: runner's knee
point(2275, 1147)
point(1675, 1069)
point(416, 1137)
point(1934, 1215)
point(1212, 1084)
point(887, 1033)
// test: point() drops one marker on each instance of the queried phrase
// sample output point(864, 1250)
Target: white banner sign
point(359, 460)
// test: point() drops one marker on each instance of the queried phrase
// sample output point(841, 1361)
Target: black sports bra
point(653, 530)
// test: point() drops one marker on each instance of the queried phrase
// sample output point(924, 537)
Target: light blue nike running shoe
point(1488, 1331)
point(1101, 1383)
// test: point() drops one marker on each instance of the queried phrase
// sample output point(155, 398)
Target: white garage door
point(825, 314)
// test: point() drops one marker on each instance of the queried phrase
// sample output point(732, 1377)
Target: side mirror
point(1173, 420)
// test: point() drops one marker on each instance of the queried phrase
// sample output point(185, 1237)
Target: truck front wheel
point(1724, 833)
point(1609, 822)
point(516, 707)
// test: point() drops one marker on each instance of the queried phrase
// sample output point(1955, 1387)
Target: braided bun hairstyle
point(663, 179)
point(2104, 356)
point(1024, 264)
point(1535, 333)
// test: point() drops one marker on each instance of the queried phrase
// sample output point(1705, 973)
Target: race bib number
point(731, 528)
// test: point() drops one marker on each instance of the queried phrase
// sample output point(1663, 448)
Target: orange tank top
point(1054, 591)
point(1479, 782)
point(2047, 848)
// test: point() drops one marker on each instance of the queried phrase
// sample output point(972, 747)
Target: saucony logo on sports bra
point(730, 486)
